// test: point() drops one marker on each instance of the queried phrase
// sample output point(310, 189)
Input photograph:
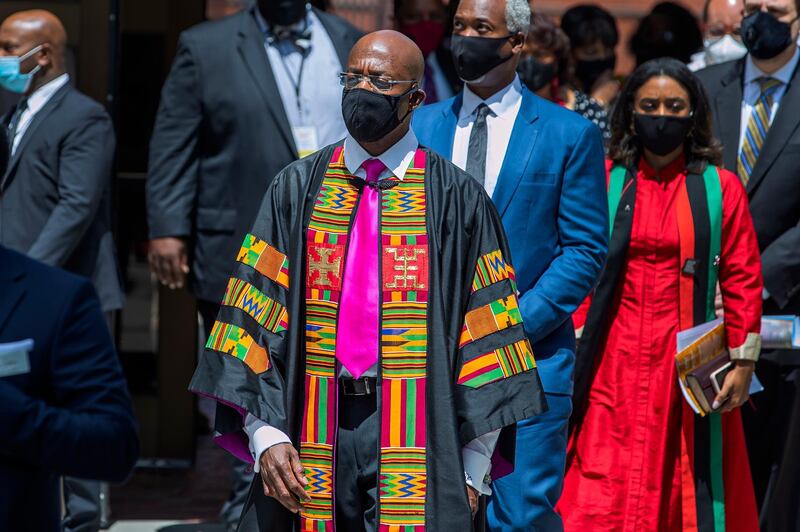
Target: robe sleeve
point(497, 382)
point(242, 366)
point(579, 316)
point(740, 272)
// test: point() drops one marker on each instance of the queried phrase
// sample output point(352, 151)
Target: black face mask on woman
point(370, 116)
point(661, 134)
point(765, 36)
point(535, 74)
point(474, 57)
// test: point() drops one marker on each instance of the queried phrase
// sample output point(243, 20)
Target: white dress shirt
point(505, 106)
point(319, 105)
point(752, 90)
point(36, 101)
point(477, 454)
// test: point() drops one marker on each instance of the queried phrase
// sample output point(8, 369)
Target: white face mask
point(723, 49)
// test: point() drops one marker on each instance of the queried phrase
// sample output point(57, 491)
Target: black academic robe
point(479, 370)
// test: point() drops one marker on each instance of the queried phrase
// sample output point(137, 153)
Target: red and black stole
point(699, 212)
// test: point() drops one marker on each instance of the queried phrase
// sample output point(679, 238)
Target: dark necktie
point(14, 123)
point(478, 140)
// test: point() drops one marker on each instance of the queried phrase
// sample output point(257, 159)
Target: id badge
point(305, 138)
point(14, 359)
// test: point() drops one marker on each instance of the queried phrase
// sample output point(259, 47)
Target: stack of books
point(703, 360)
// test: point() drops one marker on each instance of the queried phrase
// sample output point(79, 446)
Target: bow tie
point(300, 38)
point(383, 184)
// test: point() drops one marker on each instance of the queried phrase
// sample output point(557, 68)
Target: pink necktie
point(357, 338)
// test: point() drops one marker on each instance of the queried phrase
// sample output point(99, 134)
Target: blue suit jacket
point(71, 414)
point(551, 195)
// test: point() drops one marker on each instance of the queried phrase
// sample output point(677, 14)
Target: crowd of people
point(346, 210)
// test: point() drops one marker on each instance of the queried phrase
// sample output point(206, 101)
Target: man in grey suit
point(55, 195)
point(247, 95)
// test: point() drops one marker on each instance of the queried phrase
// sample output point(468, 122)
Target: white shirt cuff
point(477, 457)
point(261, 437)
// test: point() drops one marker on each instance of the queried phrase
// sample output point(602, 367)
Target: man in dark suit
point(246, 95)
point(66, 409)
point(543, 167)
point(55, 196)
point(757, 116)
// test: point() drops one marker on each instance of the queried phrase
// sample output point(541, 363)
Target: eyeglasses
point(350, 80)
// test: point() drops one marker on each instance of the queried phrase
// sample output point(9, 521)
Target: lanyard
point(296, 84)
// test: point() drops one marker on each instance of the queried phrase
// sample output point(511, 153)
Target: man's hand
point(282, 476)
point(472, 497)
point(168, 261)
point(736, 388)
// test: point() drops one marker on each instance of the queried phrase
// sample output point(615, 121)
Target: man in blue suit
point(543, 167)
point(64, 404)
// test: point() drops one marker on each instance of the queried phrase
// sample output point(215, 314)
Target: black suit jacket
point(221, 134)
point(55, 197)
point(774, 186)
point(71, 414)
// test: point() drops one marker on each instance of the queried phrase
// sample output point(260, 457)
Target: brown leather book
point(706, 380)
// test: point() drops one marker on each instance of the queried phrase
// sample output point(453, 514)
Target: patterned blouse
point(591, 110)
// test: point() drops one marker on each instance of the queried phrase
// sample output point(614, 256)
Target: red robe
point(624, 461)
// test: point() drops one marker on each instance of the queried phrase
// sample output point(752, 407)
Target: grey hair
point(518, 16)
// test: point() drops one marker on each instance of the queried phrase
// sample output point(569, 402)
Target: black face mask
point(535, 74)
point(474, 57)
point(282, 12)
point(589, 71)
point(370, 116)
point(661, 134)
point(765, 36)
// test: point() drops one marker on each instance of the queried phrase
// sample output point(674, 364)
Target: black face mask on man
point(282, 12)
point(765, 36)
point(535, 74)
point(474, 57)
point(370, 116)
point(661, 134)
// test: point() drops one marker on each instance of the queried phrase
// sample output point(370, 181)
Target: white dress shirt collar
point(397, 159)
point(36, 101)
point(752, 73)
point(42, 95)
point(504, 103)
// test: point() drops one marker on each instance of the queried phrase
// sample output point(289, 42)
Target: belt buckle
point(357, 387)
point(367, 389)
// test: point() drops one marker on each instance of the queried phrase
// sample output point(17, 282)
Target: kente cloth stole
point(699, 212)
point(403, 346)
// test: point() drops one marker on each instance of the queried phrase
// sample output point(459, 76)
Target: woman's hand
point(736, 388)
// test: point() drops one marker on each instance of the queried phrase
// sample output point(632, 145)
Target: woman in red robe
point(639, 459)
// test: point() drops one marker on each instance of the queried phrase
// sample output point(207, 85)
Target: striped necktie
point(757, 128)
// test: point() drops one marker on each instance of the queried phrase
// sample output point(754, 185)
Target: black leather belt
point(362, 386)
